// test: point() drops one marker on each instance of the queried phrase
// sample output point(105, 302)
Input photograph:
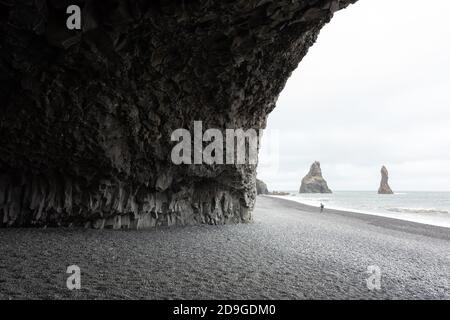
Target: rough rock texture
point(384, 185)
point(86, 116)
point(261, 187)
point(313, 182)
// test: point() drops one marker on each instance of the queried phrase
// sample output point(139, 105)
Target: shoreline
point(289, 251)
point(443, 223)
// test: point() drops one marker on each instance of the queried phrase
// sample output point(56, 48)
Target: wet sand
point(289, 251)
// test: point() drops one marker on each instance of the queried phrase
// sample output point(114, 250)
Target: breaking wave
point(417, 210)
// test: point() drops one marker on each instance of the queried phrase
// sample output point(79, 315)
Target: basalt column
point(86, 115)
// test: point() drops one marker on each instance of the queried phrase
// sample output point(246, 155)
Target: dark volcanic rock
point(313, 182)
point(261, 187)
point(384, 185)
point(86, 116)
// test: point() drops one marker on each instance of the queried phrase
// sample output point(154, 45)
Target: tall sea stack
point(314, 182)
point(384, 185)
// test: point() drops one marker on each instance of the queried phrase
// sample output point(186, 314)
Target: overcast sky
point(374, 90)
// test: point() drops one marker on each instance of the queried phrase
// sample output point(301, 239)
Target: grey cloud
point(373, 90)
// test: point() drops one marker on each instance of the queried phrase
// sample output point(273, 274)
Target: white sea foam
point(431, 208)
point(418, 210)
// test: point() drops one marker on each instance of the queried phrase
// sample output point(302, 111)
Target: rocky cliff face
point(384, 185)
point(261, 187)
point(314, 182)
point(86, 116)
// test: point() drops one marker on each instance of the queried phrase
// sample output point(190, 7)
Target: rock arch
point(86, 115)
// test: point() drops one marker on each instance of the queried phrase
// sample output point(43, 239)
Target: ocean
point(424, 207)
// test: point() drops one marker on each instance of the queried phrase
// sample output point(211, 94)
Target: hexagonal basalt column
point(87, 115)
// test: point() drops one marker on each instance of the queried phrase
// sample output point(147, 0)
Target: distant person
point(321, 207)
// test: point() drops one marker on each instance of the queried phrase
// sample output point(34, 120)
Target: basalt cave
point(87, 115)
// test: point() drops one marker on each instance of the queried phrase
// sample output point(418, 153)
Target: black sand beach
point(290, 251)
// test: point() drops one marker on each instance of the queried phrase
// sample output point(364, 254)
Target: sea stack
point(384, 185)
point(261, 187)
point(313, 182)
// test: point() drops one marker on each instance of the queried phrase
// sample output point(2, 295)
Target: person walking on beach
point(321, 207)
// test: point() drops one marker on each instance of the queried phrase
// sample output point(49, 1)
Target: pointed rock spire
point(384, 185)
point(313, 182)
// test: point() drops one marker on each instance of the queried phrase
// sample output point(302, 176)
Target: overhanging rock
point(86, 116)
